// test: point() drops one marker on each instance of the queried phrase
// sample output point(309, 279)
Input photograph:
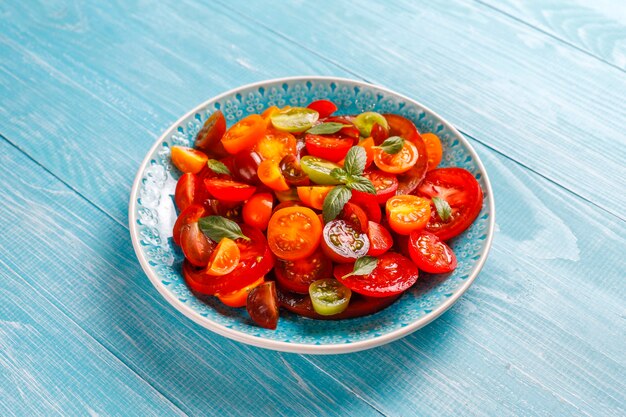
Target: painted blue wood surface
point(85, 89)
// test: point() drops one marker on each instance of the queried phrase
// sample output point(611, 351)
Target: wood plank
point(50, 366)
point(596, 27)
point(83, 263)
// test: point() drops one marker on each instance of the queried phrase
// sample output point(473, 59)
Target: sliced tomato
point(270, 174)
point(229, 209)
point(224, 258)
point(324, 107)
point(191, 214)
point(371, 208)
point(185, 193)
point(229, 190)
point(331, 148)
point(238, 298)
point(262, 305)
point(349, 131)
point(291, 170)
point(314, 196)
point(342, 242)
point(460, 189)
point(255, 261)
point(407, 213)
point(379, 134)
point(380, 239)
point(188, 159)
point(354, 215)
point(384, 183)
point(287, 203)
point(258, 210)
point(244, 134)
point(209, 138)
point(297, 275)
point(276, 144)
point(393, 275)
point(267, 114)
point(244, 166)
point(196, 246)
point(403, 127)
point(430, 254)
point(368, 145)
point(397, 163)
point(433, 150)
point(294, 232)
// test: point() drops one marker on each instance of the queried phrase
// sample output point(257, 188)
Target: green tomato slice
point(318, 170)
point(329, 296)
point(295, 119)
point(365, 121)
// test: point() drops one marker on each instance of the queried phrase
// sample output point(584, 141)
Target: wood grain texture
point(596, 27)
point(83, 263)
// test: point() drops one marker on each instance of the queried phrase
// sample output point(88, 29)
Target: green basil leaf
point(339, 174)
point(326, 128)
point(362, 184)
point(363, 266)
point(392, 145)
point(443, 209)
point(217, 227)
point(355, 160)
point(334, 202)
point(217, 167)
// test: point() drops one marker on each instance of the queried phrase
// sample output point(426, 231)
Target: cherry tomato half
point(185, 193)
point(297, 275)
point(355, 216)
point(294, 232)
point(238, 298)
point(314, 196)
point(431, 254)
point(371, 208)
point(323, 107)
point(258, 210)
point(275, 145)
point(384, 183)
point(244, 134)
point(229, 190)
point(379, 133)
point(393, 275)
point(342, 242)
point(196, 246)
point(188, 159)
point(380, 239)
point(262, 305)
point(462, 192)
point(433, 150)
point(244, 166)
point(270, 174)
point(397, 163)
point(209, 138)
point(191, 214)
point(330, 148)
point(407, 213)
point(224, 258)
point(291, 170)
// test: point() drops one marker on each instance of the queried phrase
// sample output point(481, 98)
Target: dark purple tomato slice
point(342, 242)
point(262, 305)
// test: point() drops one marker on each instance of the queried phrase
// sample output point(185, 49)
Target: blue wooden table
point(539, 89)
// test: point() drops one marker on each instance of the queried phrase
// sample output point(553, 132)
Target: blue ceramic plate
point(152, 215)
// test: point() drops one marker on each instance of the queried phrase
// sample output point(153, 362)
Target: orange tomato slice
point(244, 134)
point(313, 196)
point(294, 232)
point(399, 162)
point(433, 150)
point(407, 213)
point(188, 159)
point(276, 144)
point(224, 258)
point(238, 298)
point(270, 174)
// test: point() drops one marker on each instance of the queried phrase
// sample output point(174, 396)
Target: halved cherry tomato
point(294, 119)
point(368, 144)
point(380, 239)
point(384, 183)
point(329, 296)
point(433, 150)
point(185, 191)
point(287, 203)
point(238, 298)
point(289, 195)
point(297, 275)
point(366, 120)
point(393, 275)
point(324, 107)
point(371, 208)
point(258, 210)
point(291, 170)
point(354, 215)
point(294, 232)
point(209, 138)
point(191, 214)
point(397, 163)
point(229, 209)
point(267, 114)
point(255, 261)
point(244, 134)
point(462, 192)
point(379, 133)
point(349, 131)
point(431, 254)
point(403, 127)
point(275, 145)
point(245, 165)
point(188, 159)
point(331, 148)
point(270, 175)
point(262, 305)
point(314, 196)
point(342, 242)
point(229, 190)
point(196, 246)
point(224, 258)
point(407, 213)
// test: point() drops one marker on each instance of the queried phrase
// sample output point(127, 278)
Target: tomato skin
point(379, 134)
point(380, 239)
point(238, 298)
point(270, 174)
point(244, 166)
point(393, 275)
point(258, 210)
point(185, 193)
point(209, 138)
point(462, 192)
point(324, 107)
point(398, 163)
point(196, 246)
point(314, 196)
point(407, 213)
point(293, 173)
point(191, 214)
point(371, 208)
point(433, 150)
point(229, 190)
point(294, 232)
point(354, 215)
point(297, 275)
point(262, 305)
point(430, 254)
point(328, 147)
point(343, 243)
point(188, 159)
point(386, 186)
point(244, 134)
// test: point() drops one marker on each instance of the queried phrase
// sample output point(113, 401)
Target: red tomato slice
point(190, 215)
point(255, 261)
point(209, 138)
point(401, 126)
point(330, 148)
point(431, 254)
point(380, 239)
point(185, 191)
point(229, 190)
point(354, 215)
point(462, 192)
point(393, 275)
point(324, 107)
point(384, 183)
point(297, 275)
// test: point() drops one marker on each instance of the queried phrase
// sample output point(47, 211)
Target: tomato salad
point(327, 216)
